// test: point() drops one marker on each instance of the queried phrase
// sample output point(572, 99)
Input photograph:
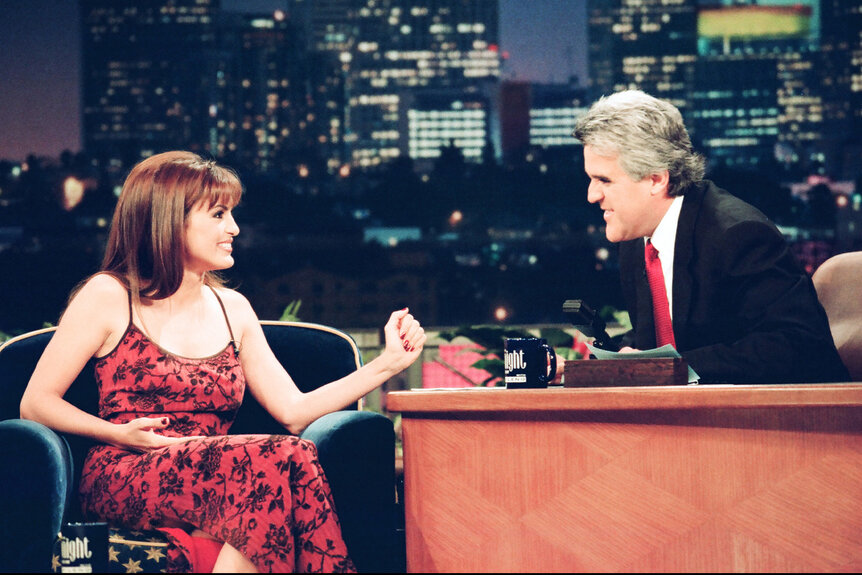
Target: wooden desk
point(681, 479)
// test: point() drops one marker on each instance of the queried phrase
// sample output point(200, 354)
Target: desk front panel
point(762, 486)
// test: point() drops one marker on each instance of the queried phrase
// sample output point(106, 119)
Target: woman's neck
point(190, 287)
point(189, 293)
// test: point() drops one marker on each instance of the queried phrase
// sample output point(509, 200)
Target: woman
point(175, 350)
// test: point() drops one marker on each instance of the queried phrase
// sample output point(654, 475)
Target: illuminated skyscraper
point(842, 83)
point(734, 110)
point(392, 48)
point(645, 44)
point(330, 29)
point(756, 96)
point(262, 119)
point(757, 80)
point(537, 116)
point(450, 118)
point(147, 78)
point(331, 23)
point(554, 111)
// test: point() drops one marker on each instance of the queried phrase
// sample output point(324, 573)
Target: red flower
point(581, 348)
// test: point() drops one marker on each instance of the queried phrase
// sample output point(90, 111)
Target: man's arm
point(758, 320)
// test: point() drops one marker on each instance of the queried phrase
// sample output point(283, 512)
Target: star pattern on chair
point(132, 566)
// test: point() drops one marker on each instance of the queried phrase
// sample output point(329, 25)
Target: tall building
point(263, 120)
point(330, 29)
point(756, 95)
point(324, 83)
point(391, 49)
point(437, 120)
point(841, 78)
point(147, 78)
point(539, 116)
point(554, 111)
point(756, 80)
point(646, 44)
point(733, 117)
point(515, 102)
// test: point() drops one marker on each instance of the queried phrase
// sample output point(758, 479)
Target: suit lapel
point(683, 250)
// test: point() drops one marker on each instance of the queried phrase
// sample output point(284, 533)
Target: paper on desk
point(663, 351)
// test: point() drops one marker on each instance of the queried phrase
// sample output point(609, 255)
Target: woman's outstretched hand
point(140, 434)
point(404, 337)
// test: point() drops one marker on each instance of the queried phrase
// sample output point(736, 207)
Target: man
point(740, 307)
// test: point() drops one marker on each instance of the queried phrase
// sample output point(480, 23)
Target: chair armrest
point(35, 489)
point(357, 452)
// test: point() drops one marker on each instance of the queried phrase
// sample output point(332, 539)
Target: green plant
point(291, 311)
point(490, 339)
point(612, 315)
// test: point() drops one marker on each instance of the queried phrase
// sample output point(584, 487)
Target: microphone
point(589, 323)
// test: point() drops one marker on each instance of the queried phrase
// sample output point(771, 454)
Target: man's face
point(631, 209)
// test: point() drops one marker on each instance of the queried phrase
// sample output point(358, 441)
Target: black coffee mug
point(82, 548)
point(529, 362)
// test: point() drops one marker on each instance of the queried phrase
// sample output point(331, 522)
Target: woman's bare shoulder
point(101, 294)
point(104, 285)
point(236, 304)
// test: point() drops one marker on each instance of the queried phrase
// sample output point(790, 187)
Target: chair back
point(838, 282)
point(18, 359)
point(312, 354)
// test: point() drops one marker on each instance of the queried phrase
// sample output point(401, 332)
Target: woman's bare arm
point(93, 323)
point(276, 391)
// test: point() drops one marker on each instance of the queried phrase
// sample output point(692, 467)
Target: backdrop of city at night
point(411, 153)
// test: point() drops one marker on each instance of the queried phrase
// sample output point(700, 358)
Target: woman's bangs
point(219, 186)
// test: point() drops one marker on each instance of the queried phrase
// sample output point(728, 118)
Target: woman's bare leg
point(229, 559)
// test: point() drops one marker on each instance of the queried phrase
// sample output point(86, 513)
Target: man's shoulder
point(722, 210)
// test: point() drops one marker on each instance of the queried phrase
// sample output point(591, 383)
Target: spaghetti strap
point(265, 495)
point(227, 321)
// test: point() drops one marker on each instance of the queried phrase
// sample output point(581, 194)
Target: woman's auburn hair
point(146, 245)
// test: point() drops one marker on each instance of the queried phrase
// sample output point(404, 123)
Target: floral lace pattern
point(265, 495)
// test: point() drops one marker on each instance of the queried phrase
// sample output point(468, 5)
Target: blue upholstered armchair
point(39, 468)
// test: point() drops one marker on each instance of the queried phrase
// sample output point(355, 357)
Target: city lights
point(501, 314)
point(399, 127)
point(455, 218)
point(73, 192)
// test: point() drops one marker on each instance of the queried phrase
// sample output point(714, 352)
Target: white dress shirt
point(664, 238)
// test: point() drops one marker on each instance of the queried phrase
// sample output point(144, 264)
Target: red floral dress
point(265, 495)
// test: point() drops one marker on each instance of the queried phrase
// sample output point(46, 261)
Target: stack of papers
point(663, 351)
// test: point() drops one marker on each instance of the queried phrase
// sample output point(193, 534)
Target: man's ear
point(660, 182)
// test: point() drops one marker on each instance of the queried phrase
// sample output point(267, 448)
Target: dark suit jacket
point(744, 310)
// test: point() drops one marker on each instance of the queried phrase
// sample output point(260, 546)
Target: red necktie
point(660, 307)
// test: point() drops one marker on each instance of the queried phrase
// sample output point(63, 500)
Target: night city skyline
point(356, 187)
point(40, 67)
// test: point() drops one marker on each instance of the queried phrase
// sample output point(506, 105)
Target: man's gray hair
point(647, 134)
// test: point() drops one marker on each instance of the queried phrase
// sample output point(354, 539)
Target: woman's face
point(209, 237)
